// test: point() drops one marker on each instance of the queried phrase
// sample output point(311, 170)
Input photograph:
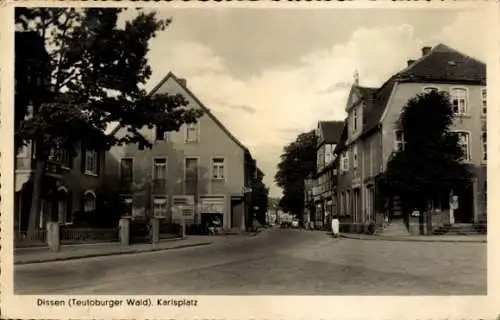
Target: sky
point(270, 74)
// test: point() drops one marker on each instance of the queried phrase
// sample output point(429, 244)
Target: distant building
point(370, 135)
point(328, 135)
point(195, 174)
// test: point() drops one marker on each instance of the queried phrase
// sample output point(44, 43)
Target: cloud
point(243, 107)
point(282, 100)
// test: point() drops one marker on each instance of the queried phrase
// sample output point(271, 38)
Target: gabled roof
point(202, 106)
point(330, 131)
point(444, 64)
point(441, 65)
point(342, 140)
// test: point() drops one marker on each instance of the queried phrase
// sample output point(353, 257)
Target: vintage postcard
point(264, 160)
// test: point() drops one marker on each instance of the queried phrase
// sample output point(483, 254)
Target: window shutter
point(82, 159)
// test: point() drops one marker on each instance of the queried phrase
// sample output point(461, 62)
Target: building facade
point(69, 183)
point(328, 135)
point(371, 135)
point(195, 174)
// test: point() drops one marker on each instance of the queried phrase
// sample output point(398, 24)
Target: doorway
point(465, 211)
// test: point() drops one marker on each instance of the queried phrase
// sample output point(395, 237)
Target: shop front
point(212, 210)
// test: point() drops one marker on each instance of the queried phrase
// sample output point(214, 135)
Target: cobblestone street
point(285, 262)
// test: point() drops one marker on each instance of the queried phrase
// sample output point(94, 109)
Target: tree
point(298, 160)
point(96, 74)
point(260, 194)
point(429, 164)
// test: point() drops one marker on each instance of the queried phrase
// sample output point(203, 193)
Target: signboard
point(183, 207)
point(215, 204)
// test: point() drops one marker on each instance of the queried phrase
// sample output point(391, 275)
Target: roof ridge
point(207, 110)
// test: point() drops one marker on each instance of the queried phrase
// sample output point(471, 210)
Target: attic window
point(452, 63)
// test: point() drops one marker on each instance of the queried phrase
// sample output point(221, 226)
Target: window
point(23, 152)
point(160, 133)
point(459, 100)
point(60, 155)
point(159, 168)
point(126, 169)
point(192, 132)
point(65, 159)
point(91, 162)
point(191, 175)
point(191, 168)
point(484, 100)
point(159, 206)
point(128, 204)
point(430, 89)
point(344, 164)
point(355, 156)
point(89, 201)
point(218, 168)
point(484, 144)
point(399, 140)
point(463, 142)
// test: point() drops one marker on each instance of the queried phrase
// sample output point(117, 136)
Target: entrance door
point(465, 211)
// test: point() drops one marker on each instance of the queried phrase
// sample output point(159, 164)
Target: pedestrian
point(335, 227)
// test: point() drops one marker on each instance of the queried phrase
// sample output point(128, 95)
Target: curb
point(411, 240)
point(107, 254)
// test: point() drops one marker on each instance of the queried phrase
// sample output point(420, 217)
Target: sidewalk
point(38, 255)
point(443, 238)
point(71, 252)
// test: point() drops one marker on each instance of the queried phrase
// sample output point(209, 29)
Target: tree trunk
point(36, 197)
point(429, 219)
point(422, 218)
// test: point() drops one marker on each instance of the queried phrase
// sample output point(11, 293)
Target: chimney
point(410, 62)
point(426, 50)
point(183, 82)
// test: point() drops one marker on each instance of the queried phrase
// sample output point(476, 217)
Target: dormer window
point(430, 89)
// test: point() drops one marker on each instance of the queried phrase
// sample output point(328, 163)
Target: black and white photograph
point(245, 151)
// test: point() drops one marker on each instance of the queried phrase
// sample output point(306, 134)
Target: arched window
point(89, 201)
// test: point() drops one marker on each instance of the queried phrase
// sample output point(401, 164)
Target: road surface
point(278, 262)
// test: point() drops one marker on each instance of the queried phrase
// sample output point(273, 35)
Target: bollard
point(183, 228)
point(155, 230)
point(124, 227)
point(53, 239)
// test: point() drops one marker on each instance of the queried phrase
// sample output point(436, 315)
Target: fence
point(87, 235)
point(32, 239)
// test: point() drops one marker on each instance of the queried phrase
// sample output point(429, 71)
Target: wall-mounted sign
point(212, 204)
